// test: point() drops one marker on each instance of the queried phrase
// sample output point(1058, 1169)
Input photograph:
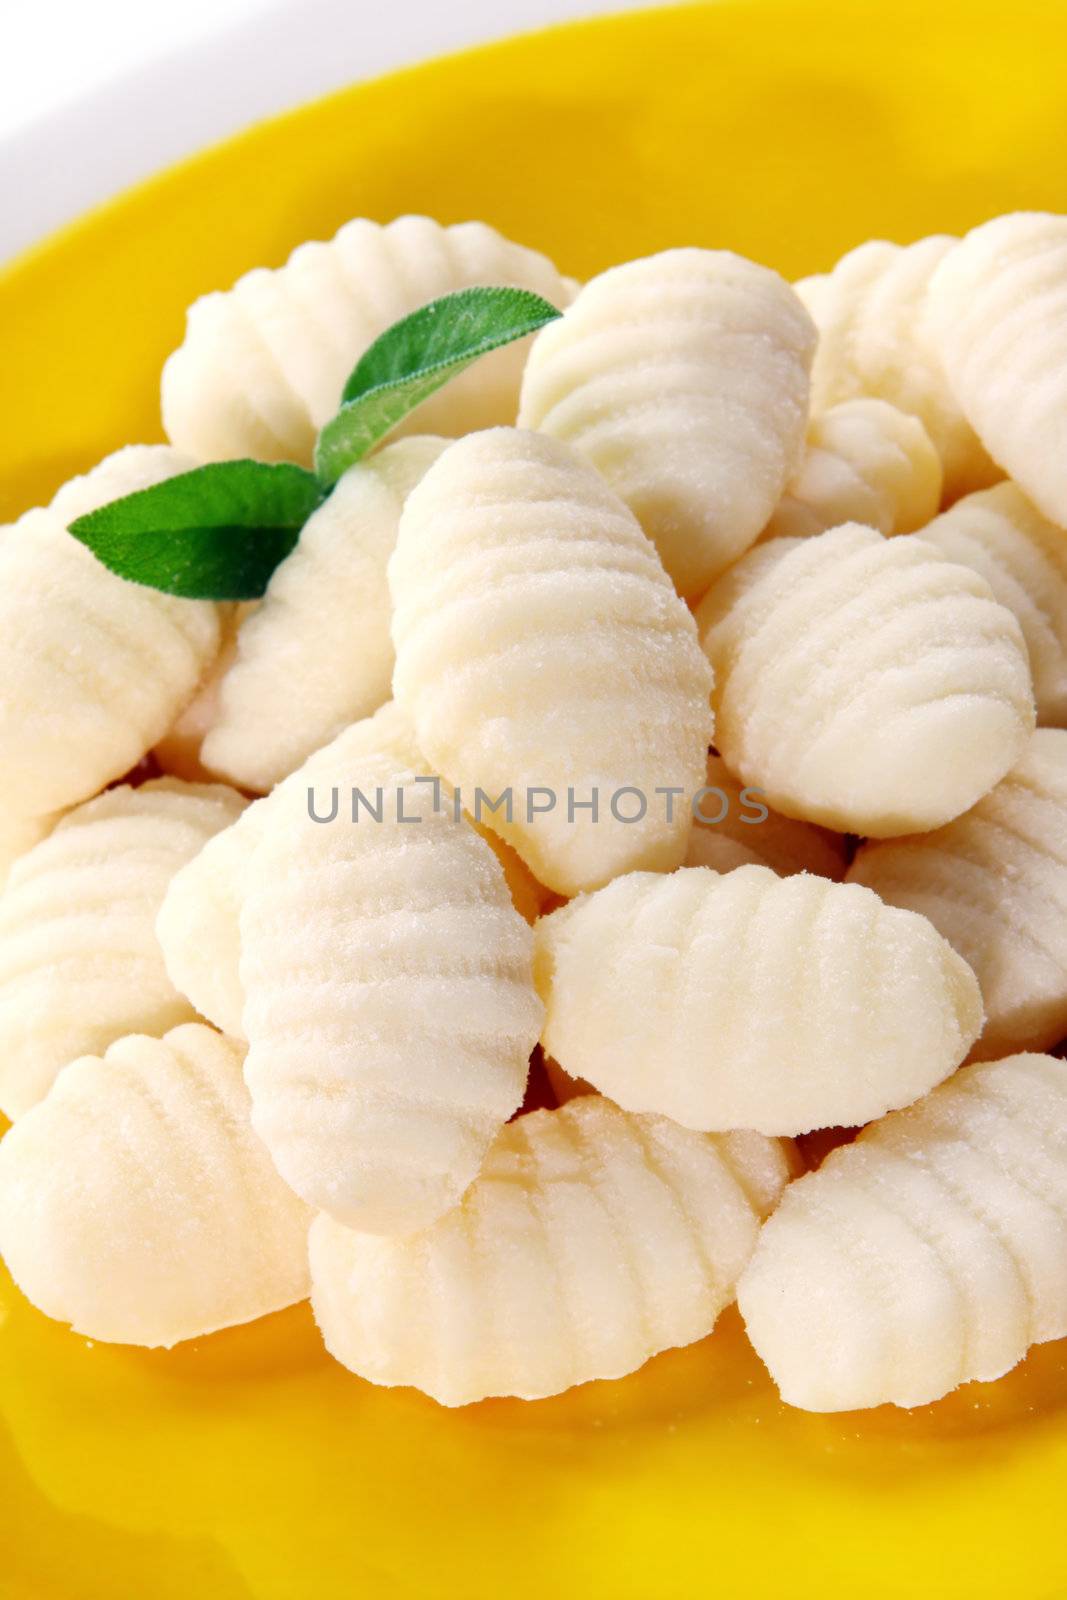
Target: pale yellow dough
point(389, 1001)
point(199, 922)
point(866, 461)
point(264, 364)
point(994, 882)
point(929, 1253)
point(80, 964)
point(876, 339)
point(590, 1241)
point(17, 836)
point(137, 1204)
point(1023, 558)
point(316, 655)
point(540, 646)
point(865, 683)
point(998, 311)
point(744, 1000)
point(94, 669)
point(683, 378)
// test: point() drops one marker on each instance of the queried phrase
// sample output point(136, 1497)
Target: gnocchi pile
point(665, 723)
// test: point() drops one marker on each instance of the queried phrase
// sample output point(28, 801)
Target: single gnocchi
point(876, 339)
point(994, 882)
point(998, 311)
point(543, 655)
point(865, 683)
point(745, 1000)
point(263, 365)
point(137, 1204)
point(929, 1253)
point(866, 461)
point(1023, 558)
point(94, 669)
point(80, 964)
point(317, 655)
point(734, 827)
point(590, 1240)
point(389, 1001)
point(199, 921)
point(18, 835)
point(683, 378)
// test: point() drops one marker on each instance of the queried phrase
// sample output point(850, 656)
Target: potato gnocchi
point(17, 836)
point(263, 365)
point(1023, 558)
point(994, 883)
point(865, 461)
point(998, 314)
point(590, 1240)
point(683, 378)
point(865, 683)
point(79, 961)
point(137, 1204)
point(317, 655)
point(94, 669)
point(389, 1004)
point(633, 769)
point(876, 338)
point(199, 921)
point(929, 1253)
point(744, 1000)
point(542, 651)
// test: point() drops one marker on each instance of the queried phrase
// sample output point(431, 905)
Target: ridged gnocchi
point(994, 883)
point(865, 461)
point(929, 1253)
point(683, 378)
point(1023, 558)
point(590, 1240)
point(94, 669)
point(745, 1000)
point(876, 339)
point(648, 779)
point(199, 921)
point(542, 651)
point(17, 836)
point(734, 827)
point(263, 364)
point(317, 655)
point(137, 1204)
point(865, 683)
point(389, 1002)
point(998, 312)
point(79, 961)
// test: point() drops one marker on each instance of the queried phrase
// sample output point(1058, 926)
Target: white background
point(95, 94)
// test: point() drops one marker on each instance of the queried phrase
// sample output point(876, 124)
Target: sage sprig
point(219, 531)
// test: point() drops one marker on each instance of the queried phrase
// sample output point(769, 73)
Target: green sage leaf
point(414, 358)
point(215, 533)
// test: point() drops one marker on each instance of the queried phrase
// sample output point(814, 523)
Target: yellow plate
point(246, 1466)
